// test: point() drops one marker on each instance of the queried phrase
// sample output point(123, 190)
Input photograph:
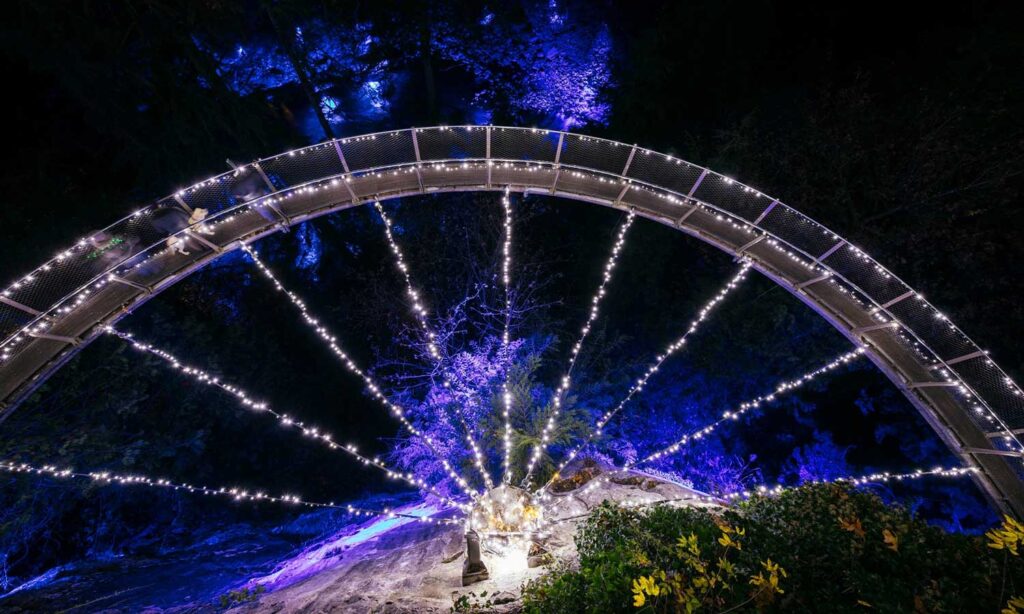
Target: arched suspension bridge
point(53, 312)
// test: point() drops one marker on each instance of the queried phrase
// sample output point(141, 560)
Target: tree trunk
point(299, 65)
point(428, 72)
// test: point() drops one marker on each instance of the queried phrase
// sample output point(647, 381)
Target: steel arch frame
point(949, 403)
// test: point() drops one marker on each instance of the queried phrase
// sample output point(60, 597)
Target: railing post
point(558, 158)
point(416, 150)
point(765, 213)
point(181, 202)
point(348, 173)
point(629, 160)
point(696, 184)
point(13, 303)
point(488, 156)
point(273, 189)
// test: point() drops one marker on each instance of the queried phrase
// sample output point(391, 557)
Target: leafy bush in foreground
point(818, 548)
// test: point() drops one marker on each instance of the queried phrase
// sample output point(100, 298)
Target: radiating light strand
point(871, 478)
point(638, 387)
point(245, 400)
point(237, 494)
point(421, 313)
point(727, 416)
point(753, 404)
point(564, 384)
point(370, 385)
point(506, 280)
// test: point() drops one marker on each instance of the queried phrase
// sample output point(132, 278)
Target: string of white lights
point(245, 400)
point(871, 478)
point(563, 386)
point(727, 416)
point(756, 403)
point(420, 312)
point(371, 386)
point(677, 345)
point(506, 280)
point(237, 494)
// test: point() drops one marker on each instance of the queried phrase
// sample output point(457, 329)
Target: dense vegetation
point(817, 548)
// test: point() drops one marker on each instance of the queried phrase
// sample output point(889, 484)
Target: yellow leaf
point(864, 603)
point(852, 526)
point(891, 541)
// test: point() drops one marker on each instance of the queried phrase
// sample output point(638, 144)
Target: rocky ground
point(417, 567)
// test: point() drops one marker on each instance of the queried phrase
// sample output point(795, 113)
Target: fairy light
point(420, 312)
point(284, 420)
point(753, 404)
point(563, 386)
point(871, 478)
point(369, 383)
point(105, 478)
point(506, 280)
point(677, 345)
point(727, 416)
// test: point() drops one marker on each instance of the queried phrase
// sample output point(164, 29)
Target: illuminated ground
point(415, 567)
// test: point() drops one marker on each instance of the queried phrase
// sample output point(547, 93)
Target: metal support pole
point(688, 213)
point(416, 150)
point(348, 173)
point(629, 160)
point(867, 329)
point(488, 129)
point(830, 251)
point(993, 452)
point(765, 213)
point(128, 282)
point(804, 284)
point(916, 385)
point(558, 158)
point(625, 188)
point(266, 180)
point(13, 303)
point(696, 184)
point(759, 238)
point(902, 297)
point(972, 355)
point(204, 241)
point(181, 202)
point(69, 340)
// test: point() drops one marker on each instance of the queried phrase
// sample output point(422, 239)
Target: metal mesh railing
point(457, 157)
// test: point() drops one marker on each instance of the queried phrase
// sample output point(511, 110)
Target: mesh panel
point(799, 230)
point(451, 143)
point(982, 375)
point(523, 175)
point(365, 152)
point(385, 182)
point(217, 195)
point(594, 153)
point(102, 250)
point(304, 165)
point(11, 320)
point(866, 274)
point(655, 201)
point(523, 144)
point(663, 171)
point(741, 201)
point(456, 174)
point(580, 182)
point(934, 331)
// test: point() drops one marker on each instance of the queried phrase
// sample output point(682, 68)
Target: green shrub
point(818, 548)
